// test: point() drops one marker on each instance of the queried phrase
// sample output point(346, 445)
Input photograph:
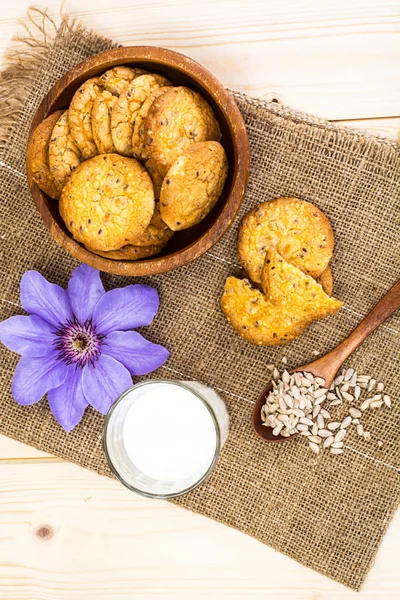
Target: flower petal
point(104, 382)
point(68, 402)
point(34, 377)
point(44, 299)
point(28, 336)
point(125, 308)
point(136, 353)
point(85, 290)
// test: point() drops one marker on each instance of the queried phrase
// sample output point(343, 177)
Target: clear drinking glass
point(121, 463)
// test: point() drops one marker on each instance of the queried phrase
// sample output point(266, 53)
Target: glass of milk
point(162, 438)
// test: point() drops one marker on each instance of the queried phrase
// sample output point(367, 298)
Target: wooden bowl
point(186, 245)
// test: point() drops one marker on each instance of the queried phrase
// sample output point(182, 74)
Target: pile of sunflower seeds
point(294, 406)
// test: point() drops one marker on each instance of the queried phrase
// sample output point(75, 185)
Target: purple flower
point(77, 345)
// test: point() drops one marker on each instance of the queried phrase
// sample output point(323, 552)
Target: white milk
point(168, 433)
point(162, 438)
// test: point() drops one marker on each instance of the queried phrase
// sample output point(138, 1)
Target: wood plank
point(339, 60)
point(13, 450)
point(69, 533)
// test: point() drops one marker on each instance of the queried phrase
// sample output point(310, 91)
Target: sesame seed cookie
point(80, 117)
point(130, 252)
point(107, 202)
point(176, 120)
point(117, 79)
point(193, 185)
point(139, 130)
point(127, 108)
point(300, 232)
point(156, 233)
point(37, 155)
point(64, 155)
point(103, 105)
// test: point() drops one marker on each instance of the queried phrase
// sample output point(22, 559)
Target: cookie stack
point(285, 247)
point(132, 160)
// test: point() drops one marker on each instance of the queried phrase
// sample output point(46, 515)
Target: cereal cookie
point(299, 231)
point(80, 117)
point(130, 252)
point(107, 202)
point(193, 185)
point(288, 287)
point(255, 318)
point(326, 281)
point(156, 233)
point(37, 155)
point(127, 108)
point(176, 120)
point(103, 106)
point(117, 79)
point(139, 130)
point(64, 155)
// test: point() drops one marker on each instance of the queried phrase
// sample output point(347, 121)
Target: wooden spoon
point(327, 366)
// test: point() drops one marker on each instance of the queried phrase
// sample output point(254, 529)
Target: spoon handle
point(385, 307)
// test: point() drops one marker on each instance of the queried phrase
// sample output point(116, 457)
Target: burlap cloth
point(327, 512)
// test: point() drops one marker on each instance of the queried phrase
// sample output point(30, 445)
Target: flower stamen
point(78, 344)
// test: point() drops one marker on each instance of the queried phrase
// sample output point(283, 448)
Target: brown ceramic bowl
point(185, 245)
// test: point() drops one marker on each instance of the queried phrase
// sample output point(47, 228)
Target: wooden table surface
point(68, 533)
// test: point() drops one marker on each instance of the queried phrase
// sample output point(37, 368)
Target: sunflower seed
point(297, 378)
point(309, 376)
point(353, 379)
point(363, 385)
point(357, 392)
point(348, 375)
point(347, 396)
point(376, 397)
point(360, 429)
point(284, 360)
point(333, 426)
point(286, 433)
point(338, 394)
point(338, 380)
point(380, 443)
point(314, 429)
point(320, 422)
point(282, 403)
point(301, 428)
point(324, 433)
point(345, 387)
point(277, 429)
point(320, 400)
point(380, 387)
point(356, 421)
point(285, 377)
point(319, 393)
point(305, 432)
point(371, 384)
point(328, 441)
point(315, 438)
point(345, 423)
point(336, 451)
point(325, 413)
point(306, 382)
point(365, 404)
point(276, 373)
point(335, 403)
point(341, 434)
point(331, 396)
point(295, 392)
point(297, 412)
point(355, 413)
point(367, 436)
point(316, 411)
point(289, 400)
point(337, 445)
point(387, 400)
point(320, 381)
point(376, 404)
point(306, 421)
point(271, 367)
point(314, 447)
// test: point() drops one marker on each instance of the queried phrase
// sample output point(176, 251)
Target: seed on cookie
point(117, 79)
point(130, 252)
point(193, 185)
point(127, 108)
point(107, 202)
point(301, 233)
point(80, 117)
point(177, 120)
point(37, 155)
point(64, 155)
point(103, 106)
point(139, 129)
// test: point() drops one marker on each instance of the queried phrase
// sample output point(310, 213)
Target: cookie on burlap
point(326, 281)
point(300, 232)
point(139, 129)
point(107, 201)
point(255, 318)
point(176, 120)
point(130, 252)
point(289, 288)
point(127, 108)
point(117, 79)
point(64, 155)
point(103, 105)
point(156, 233)
point(193, 185)
point(80, 117)
point(156, 177)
